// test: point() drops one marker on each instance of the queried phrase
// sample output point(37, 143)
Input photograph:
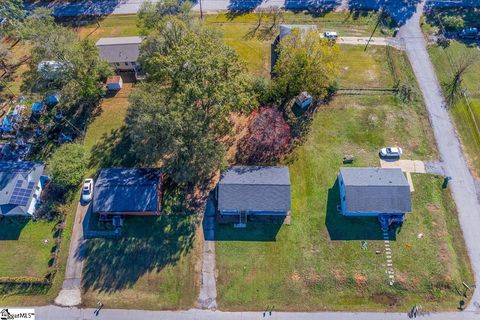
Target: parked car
point(87, 190)
point(469, 33)
point(391, 152)
point(330, 35)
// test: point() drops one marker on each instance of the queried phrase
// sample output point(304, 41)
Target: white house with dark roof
point(121, 52)
point(379, 192)
point(21, 184)
point(246, 191)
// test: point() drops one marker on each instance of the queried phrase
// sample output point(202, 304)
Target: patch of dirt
point(443, 252)
point(406, 281)
point(240, 129)
point(313, 278)
point(295, 276)
point(386, 299)
point(360, 280)
point(339, 276)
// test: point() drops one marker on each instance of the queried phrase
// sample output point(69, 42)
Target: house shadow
point(148, 244)
point(11, 227)
point(340, 227)
point(260, 231)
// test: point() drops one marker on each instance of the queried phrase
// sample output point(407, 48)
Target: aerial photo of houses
point(239, 159)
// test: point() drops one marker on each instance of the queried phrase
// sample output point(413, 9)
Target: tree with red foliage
point(268, 138)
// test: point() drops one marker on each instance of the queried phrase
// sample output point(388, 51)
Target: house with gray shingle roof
point(128, 192)
point(121, 52)
point(246, 191)
point(21, 184)
point(380, 192)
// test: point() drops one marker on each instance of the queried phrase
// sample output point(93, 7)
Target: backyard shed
point(114, 83)
point(128, 192)
point(304, 100)
point(249, 191)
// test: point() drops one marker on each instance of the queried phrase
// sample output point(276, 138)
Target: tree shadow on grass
point(350, 228)
point(149, 244)
point(113, 150)
point(11, 227)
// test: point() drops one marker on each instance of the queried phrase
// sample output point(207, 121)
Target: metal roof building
point(119, 49)
point(128, 191)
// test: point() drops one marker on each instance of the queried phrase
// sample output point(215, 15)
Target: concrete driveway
point(70, 295)
point(411, 166)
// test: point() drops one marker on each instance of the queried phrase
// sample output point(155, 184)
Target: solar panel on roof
point(20, 196)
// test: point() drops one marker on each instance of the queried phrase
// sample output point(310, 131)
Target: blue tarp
point(52, 98)
point(38, 107)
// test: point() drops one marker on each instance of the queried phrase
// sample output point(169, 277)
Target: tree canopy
point(67, 165)
point(151, 14)
point(180, 116)
point(306, 62)
point(11, 13)
point(81, 67)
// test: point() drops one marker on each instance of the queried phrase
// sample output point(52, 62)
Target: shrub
point(268, 138)
point(452, 23)
point(67, 166)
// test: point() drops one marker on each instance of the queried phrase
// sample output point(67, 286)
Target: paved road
point(451, 154)
point(400, 10)
point(57, 313)
point(70, 295)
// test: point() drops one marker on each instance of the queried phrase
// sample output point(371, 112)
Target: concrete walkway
point(70, 295)
point(208, 290)
point(462, 184)
point(412, 166)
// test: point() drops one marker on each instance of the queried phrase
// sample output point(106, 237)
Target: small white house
point(51, 70)
point(304, 100)
point(286, 29)
point(114, 83)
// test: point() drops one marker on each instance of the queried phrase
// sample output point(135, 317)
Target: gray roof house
point(374, 191)
point(128, 191)
point(121, 52)
point(21, 183)
point(254, 190)
point(286, 29)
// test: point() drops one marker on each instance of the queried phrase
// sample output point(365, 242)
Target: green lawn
point(466, 117)
point(152, 267)
point(23, 241)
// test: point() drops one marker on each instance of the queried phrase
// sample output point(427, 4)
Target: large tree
point(151, 14)
point(67, 166)
point(180, 117)
point(11, 13)
point(79, 78)
point(306, 62)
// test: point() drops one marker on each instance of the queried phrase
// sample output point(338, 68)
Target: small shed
point(114, 83)
point(304, 100)
point(38, 107)
point(52, 98)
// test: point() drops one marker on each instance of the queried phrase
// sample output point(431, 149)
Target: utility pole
point(201, 11)
point(374, 29)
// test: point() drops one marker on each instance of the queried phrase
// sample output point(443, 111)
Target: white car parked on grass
point(391, 152)
point(330, 35)
point(87, 190)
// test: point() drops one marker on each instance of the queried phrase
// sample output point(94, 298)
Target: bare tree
point(453, 88)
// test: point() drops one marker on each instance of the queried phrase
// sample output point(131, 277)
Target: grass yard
point(317, 263)
point(19, 235)
point(466, 118)
point(155, 266)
